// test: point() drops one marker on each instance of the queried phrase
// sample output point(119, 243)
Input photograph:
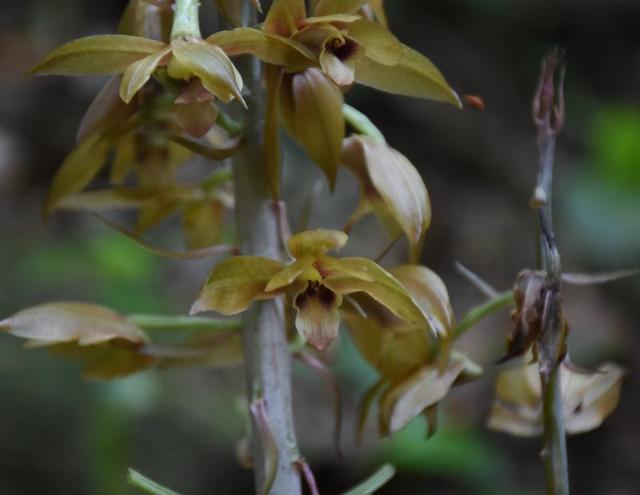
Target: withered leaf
point(56, 323)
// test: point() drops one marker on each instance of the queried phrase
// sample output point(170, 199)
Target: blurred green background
point(62, 435)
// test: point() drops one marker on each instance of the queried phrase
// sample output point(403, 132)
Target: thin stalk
point(164, 323)
point(361, 123)
point(147, 485)
point(477, 313)
point(548, 116)
point(267, 359)
point(185, 19)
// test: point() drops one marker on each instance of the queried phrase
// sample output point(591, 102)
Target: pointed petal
point(288, 274)
point(316, 242)
point(391, 184)
point(235, 283)
point(415, 75)
point(379, 43)
point(331, 18)
point(410, 397)
point(429, 291)
point(270, 48)
point(385, 289)
point(105, 109)
point(97, 55)
point(319, 124)
point(284, 17)
point(364, 406)
point(138, 73)
point(78, 169)
point(208, 62)
point(318, 319)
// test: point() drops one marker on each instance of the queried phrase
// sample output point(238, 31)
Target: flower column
point(267, 359)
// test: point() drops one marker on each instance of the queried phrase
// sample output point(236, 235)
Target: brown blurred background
point(62, 435)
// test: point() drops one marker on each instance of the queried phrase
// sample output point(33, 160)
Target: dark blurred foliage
point(59, 434)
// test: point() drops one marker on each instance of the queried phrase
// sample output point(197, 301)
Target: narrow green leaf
point(170, 323)
point(361, 123)
point(146, 485)
point(477, 313)
point(374, 482)
point(97, 55)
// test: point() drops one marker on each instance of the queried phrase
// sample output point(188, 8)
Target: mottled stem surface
point(267, 358)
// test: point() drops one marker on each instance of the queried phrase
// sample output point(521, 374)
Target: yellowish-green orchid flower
point(416, 370)
point(391, 187)
point(587, 398)
point(136, 58)
point(319, 55)
point(316, 285)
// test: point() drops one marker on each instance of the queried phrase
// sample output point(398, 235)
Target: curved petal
point(391, 186)
point(341, 73)
point(138, 73)
point(408, 399)
point(429, 291)
point(317, 318)
point(316, 242)
point(415, 75)
point(235, 283)
point(319, 124)
point(97, 55)
point(380, 45)
point(287, 275)
point(330, 19)
point(384, 288)
point(208, 62)
point(268, 47)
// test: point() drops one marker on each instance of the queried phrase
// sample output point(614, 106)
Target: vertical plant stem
point(267, 358)
point(548, 115)
point(185, 18)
